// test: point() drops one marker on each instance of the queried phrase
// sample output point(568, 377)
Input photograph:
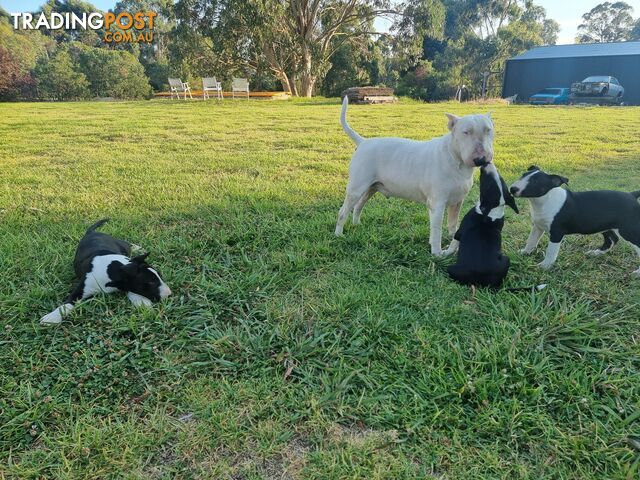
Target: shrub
point(158, 73)
point(114, 73)
point(14, 81)
point(58, 79)
point(19, 52)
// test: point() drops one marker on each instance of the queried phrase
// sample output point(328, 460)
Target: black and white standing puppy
point(561, 212)
point(102, 265)
point(480, 259)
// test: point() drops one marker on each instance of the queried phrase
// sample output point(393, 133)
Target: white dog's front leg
point(453, 213)
point(138, 300)
point(533, 240)
point(551, 255)
point(436, 217)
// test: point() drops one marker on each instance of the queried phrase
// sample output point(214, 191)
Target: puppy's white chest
point(544, 209)
point(97, 279)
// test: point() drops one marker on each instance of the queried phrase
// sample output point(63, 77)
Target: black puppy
point(480, 259)
point(102, 265)
point(561, 212)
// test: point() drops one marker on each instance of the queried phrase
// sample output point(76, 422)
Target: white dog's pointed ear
point(452, 120)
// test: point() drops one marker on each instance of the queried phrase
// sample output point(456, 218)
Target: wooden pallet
point(369, 95)
point(197, 94)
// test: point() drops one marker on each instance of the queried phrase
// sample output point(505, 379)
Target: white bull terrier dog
point(437, 173)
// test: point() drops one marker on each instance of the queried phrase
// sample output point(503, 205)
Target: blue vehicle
point(551, 96)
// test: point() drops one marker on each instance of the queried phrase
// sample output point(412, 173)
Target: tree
point(61, 35)
point(457, 41)
point(163, 23)
point(635, 32)
point(19, 52)
point(607, 22)
point(420, 20)
point(14, 81)
point(315, 23)
point(353, 63)
point(154, 57)
point(58, 79)
point(293, 38)
point(492, 15)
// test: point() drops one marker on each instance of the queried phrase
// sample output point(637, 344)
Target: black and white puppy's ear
point(132, 268)
point(140, 259)
point(532, 168)
point(557, 180)
point(508, 198)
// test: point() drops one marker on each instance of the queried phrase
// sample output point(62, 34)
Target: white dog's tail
point(345, 126)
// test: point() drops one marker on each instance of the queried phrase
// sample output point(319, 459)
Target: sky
point(566, 12)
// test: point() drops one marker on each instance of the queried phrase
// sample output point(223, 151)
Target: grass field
point(286, 352)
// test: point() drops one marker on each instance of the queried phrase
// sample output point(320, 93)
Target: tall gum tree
point(295, 38)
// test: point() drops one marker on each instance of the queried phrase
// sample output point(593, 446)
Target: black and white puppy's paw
point(55, 317)
point(138, 300)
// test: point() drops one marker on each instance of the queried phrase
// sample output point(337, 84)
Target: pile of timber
point(369, 95)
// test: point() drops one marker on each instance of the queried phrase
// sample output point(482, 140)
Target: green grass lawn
point(286, 352)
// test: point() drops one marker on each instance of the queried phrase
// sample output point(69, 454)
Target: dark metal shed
point(561, 65)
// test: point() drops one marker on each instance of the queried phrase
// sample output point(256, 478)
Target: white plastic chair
point(239, 85)
point(209, 84)
point(177, 86)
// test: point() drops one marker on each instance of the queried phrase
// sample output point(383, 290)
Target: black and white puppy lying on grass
point(102, 265)
point(480, 259)
point(561, 212)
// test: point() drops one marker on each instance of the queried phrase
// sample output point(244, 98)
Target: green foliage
point(293, 40)
point(352, 64)
point(114, 73)
point(606, 22)
point(59, 78)
point(19, 52)
point(421, 19)
point(158, 75)
point(12, 80)
point(154, 57)
point(87, 37)
point(78, 71)
point(474, 37)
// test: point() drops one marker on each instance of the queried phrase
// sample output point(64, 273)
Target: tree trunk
point(284, 80)
point(307, 84)
point(293, 88)
point(307, 78)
